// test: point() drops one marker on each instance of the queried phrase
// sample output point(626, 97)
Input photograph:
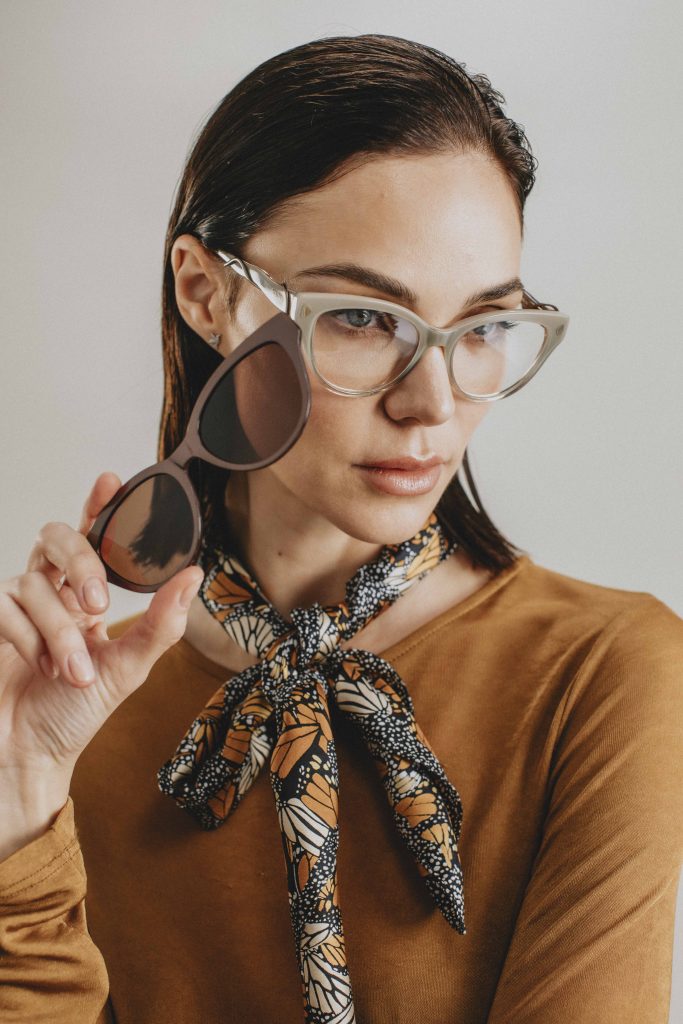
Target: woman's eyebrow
point(398, 290)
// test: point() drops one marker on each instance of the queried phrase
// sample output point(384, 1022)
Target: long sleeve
point(51, 971)
point(593, 938)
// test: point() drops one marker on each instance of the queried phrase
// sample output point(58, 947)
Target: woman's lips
point(391, 480)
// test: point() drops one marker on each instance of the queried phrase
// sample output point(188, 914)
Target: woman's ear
point(199, 287)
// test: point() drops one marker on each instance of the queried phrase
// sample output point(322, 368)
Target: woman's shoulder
point(631, 639)
point(531, 616)
point(593, 660)
point(550, 592)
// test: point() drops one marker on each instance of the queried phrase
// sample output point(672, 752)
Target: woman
point(370, 167)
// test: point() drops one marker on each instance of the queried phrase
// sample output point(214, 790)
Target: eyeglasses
point(255, 405)
point(357, 345)
point(250, 412)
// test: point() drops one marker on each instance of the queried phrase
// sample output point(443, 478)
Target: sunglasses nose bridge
point(183, 453)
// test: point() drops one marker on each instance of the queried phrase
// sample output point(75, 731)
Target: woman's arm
point(594, 935)
point(50, 968)
point(50, 709)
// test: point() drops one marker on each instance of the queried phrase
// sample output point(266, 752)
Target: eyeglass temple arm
point(277, 293)
point(280, 297)
point(529, 302)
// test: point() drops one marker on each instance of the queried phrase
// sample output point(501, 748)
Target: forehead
point(433, 220)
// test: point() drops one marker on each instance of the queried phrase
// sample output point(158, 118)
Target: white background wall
point(100, 102)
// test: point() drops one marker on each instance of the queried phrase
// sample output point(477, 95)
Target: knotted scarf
point(279, 709)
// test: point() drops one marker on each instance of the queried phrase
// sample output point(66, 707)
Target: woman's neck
point(298, 561)
point(449, 583)
point(297, 556)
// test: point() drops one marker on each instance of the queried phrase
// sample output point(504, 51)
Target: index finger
point(104, 489)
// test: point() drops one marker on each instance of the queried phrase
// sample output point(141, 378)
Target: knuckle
point(6, 604)
point(149, 631)
point(46, 533)
point(16, 629)
point(84, 562)
point(53, 533)
point(30, 584)
point(173, 636)
point(9, 586)
point(65, 634)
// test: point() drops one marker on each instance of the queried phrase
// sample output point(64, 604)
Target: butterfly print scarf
point(278, 711)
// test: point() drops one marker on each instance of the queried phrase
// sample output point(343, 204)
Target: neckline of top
point(406, 643)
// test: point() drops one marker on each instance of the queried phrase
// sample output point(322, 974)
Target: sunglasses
point(250, 412)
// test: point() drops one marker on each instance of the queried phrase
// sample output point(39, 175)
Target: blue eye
point(487, 329)
point(358, 317)
point(362, 319)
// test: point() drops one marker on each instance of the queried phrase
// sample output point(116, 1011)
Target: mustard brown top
point(555, 706)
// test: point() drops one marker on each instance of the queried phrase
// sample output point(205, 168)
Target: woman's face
point(446, 227)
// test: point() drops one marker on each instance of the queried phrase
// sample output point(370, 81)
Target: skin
point(50, 708)
point(446, 225)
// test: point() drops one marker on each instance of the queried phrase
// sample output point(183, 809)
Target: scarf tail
point(426, 807)
point(305, 780)
point(279, 708)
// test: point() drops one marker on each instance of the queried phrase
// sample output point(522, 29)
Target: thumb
point(128, 660)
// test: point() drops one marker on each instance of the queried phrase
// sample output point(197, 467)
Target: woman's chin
point(384, 522)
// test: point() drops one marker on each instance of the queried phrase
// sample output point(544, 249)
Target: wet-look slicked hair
point(294, 123)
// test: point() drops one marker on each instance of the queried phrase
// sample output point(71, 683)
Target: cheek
point(473, 414)
point(468, 416)
point(332, 438)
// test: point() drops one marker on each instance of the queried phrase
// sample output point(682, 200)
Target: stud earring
point(214, 340)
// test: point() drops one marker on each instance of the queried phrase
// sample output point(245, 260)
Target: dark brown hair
point(295, 122)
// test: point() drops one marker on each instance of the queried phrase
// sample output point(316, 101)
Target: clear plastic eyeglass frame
point(305, 307)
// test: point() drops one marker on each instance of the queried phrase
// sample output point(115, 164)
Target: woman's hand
point(60, 675)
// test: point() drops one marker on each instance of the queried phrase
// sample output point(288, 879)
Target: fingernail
point(187, 595)
point(94, 592)
point(47, 666)
point(80, 667)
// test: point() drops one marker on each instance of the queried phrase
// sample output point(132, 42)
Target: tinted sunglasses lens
point(149, 536)
point(254, 409)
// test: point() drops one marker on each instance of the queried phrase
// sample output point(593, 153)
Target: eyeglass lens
point(150, 533)
point(253, 409)
point(364, 348)
point(247, 418)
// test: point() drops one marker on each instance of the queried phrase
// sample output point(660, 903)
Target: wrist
point(29, 804)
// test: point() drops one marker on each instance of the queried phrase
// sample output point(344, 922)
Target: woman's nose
point(425, 393)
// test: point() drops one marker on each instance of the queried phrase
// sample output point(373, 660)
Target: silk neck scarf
point(278, 709)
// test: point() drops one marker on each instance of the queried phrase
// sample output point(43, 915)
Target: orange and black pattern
point(279, 710)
